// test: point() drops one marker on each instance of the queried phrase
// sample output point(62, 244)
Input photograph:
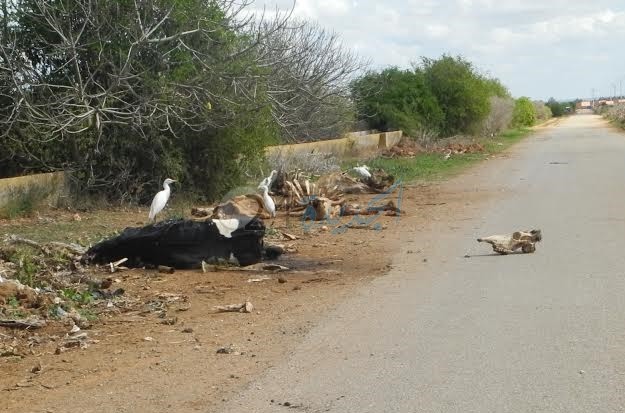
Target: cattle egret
point(160, 199)
point(267, 181)
point(448, 154)
point(270, 206)
point(363, 171)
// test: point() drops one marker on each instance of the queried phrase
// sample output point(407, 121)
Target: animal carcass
point(184, 243)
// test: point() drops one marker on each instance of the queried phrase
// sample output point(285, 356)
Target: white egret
point(270, 205)
point(448, 154)
point(268, 181)
point(160, 199)
point(363, 171)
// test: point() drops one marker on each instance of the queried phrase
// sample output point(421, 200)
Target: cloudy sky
point(538, 48)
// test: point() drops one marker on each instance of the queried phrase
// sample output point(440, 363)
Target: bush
point(397, 99)
point(462, 93)
point(560, 108)
point(524, 113)
point(615, 113)
point(500, 116)
point(543, 112)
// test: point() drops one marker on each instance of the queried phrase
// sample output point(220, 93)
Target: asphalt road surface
point(541, 332)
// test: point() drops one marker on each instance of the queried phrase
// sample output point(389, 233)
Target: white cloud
point(319, 9)
point(436, 30)
point(538, 48)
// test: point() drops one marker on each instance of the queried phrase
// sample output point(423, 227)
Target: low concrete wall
point(390, 139)
point(354, 143)
point(31, 191)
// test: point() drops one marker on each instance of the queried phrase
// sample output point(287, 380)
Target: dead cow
point(184, 243)
point(507, 244)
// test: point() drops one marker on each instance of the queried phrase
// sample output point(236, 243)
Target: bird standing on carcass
point(507, 244)
point(160, 199)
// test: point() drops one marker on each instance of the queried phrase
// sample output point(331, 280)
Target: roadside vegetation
point(429, 166)
point(195, 90)
point(616, 114)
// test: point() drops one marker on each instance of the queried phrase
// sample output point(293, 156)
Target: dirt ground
point(157, 349)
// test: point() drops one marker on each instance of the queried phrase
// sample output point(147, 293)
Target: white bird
point(448, 154)
point(363, 171)
point(270, 206)
point(268, 181)
point(160, 199)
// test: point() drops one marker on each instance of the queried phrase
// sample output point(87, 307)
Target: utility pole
point(593, 98)
point(613, 91)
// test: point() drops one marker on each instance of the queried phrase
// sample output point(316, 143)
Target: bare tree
point(308, 80)
point(125, 92)
point(94, 65)
point(87, 82)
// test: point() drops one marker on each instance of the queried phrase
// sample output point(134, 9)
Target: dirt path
point(140, 362)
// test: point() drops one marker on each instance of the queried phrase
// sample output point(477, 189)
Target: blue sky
point(560, 48)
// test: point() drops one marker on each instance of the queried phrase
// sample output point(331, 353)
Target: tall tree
point(460, 90)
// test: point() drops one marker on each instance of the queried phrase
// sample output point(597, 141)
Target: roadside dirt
point(151, 361)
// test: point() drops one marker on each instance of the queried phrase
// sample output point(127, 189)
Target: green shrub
point(524, 113)
point(397, 99)
point(462, 93)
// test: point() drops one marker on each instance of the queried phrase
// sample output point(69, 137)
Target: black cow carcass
point(184, 244)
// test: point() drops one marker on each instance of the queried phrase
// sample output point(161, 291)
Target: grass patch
point(433, 166)
point(80, 298)
point(427, 166)
point(507, 138)
point(83, 233)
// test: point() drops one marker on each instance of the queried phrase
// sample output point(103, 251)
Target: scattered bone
point(320, 209)
point(253, 267)
point(163, 269)
point(258, 280)
point(289, 237)
point(245, 307)
point(116, 265)
point(389, 208)
point(250, 205)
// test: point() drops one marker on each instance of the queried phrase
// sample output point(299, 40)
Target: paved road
point(524, 333)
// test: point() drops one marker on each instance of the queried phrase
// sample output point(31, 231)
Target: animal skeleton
point(507, 244)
